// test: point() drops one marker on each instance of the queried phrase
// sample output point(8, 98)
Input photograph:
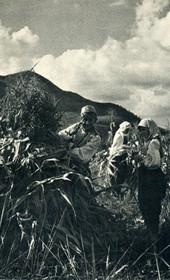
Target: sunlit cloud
point(17, 49)
point(150, 24)
point(133, 73)
point(25, 35)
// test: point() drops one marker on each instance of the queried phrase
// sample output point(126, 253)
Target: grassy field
point(55, 223)
point(58, 224)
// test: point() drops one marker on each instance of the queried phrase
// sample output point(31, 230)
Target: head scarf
point(124, 125)
point(153, 128)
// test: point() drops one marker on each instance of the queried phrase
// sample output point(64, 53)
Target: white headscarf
point(153, 128)
point(117, 148)
point(124, 125)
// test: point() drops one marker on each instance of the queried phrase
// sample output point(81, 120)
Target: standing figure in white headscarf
point(152, 183)
point(118, 153)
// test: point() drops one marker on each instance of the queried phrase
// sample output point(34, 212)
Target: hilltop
point(70, 102)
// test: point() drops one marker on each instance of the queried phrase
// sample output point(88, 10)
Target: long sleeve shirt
point(83, 144)
point(151, 154)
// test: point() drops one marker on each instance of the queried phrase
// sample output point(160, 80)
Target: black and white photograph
point(84, 139)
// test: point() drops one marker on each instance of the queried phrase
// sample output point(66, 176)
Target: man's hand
point(67, 137)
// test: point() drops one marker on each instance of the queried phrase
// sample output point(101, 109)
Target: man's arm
point(67, 133)
point(85, 153)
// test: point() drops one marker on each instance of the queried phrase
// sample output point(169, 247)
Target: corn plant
point(53, 224)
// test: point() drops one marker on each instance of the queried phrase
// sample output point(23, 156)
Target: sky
point(114, 51)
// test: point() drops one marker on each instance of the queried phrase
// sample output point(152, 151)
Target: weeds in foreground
point(52, 224)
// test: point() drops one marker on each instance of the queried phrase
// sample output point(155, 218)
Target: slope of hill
point(69, 101)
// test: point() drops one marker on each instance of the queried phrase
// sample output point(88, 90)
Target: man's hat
point(88, 109)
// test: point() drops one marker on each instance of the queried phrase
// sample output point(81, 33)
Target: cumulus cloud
point(150, 24)
point(134, 73)
point(17, 49)
point(25, 36)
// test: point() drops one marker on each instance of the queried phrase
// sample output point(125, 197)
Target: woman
point(118, 153)
point(111, 134)
point(152, 183)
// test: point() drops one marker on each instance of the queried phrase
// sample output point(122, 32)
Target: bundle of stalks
point(48, 209)
point(56, 223)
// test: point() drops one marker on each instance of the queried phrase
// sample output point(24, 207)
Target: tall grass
point(53, 223)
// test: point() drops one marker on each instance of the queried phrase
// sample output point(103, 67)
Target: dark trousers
point(152, 189)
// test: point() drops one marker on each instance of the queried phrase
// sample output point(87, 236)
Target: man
point(82, 137)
